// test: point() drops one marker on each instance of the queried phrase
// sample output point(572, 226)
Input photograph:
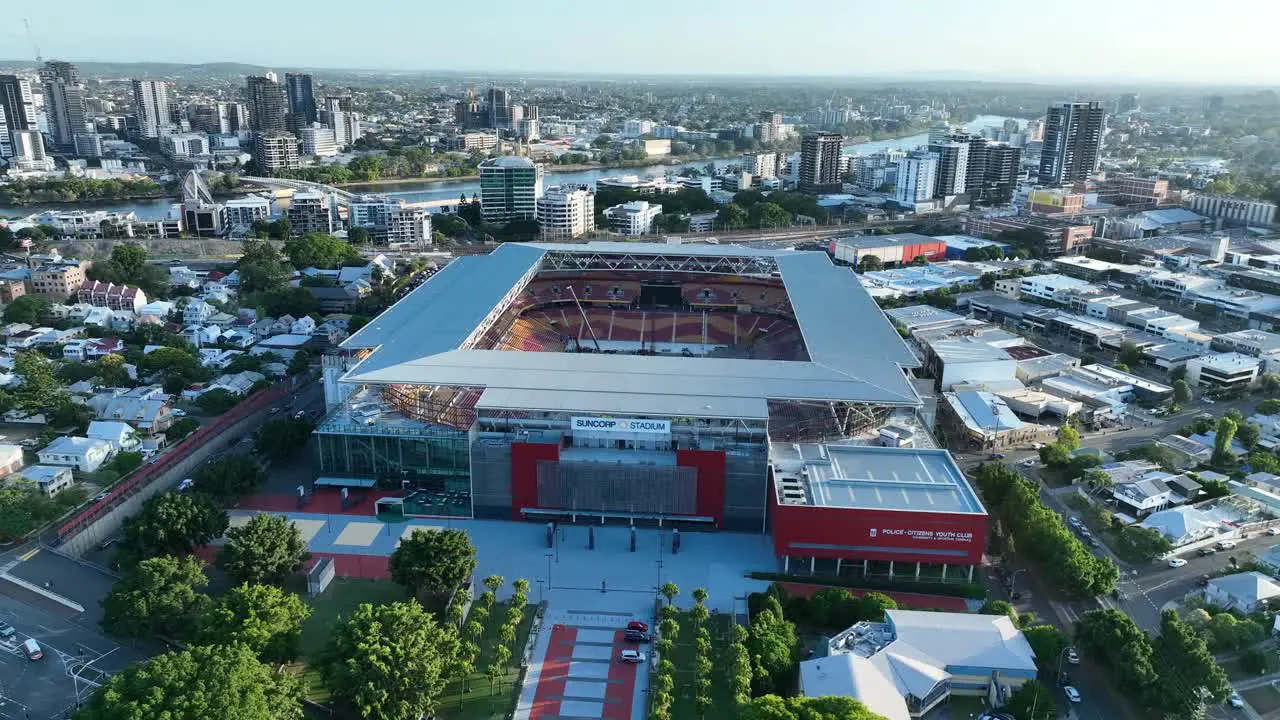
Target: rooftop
point(879, 241)
point(983, 411)
point(881, 478)
point(921, 316)
point(425, 339)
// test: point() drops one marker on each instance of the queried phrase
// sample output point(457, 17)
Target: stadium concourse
point(710, 388)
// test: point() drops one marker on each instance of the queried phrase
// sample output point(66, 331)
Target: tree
point(267, 549)
point(1114, 641)
point(1032, 701)
point(998, 607)
point(1248, 434)
point(433, 562)
point(389, 662)
point(1224, 433)
point(359, 236)
point(182, 428)
point(230, 478)
point(278, 439)
point(1269, 384)
point(265, 618)
point(1181, 392)
point(1186, 668)
point(669, 591)
point(204, 682)
point(731, 217)
point(261, 268)
point(832, 707)
point(40, 391)
point(217, 401)
point(771, 215)
point(112, 372)
point(1068, 438)
point(318, 250)
point(171, 524)
point(771, 640)
point(29, 309)
point(1130, 353)
point(1047, 642)
point(161, 596)
point(870, 263)
point(129, 259)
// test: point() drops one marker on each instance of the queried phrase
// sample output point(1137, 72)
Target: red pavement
point(621, 689)
point(324, 501)
point(554, 673)
point(910, 601)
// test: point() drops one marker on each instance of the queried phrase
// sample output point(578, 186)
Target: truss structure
point(810, 421)
point(761, 266)
point(453, 407)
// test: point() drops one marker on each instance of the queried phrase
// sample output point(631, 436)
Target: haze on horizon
point(1229, 42)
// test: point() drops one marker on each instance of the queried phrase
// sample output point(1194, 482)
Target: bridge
point(343, 197)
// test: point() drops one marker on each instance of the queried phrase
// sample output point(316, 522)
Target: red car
point(637, 625)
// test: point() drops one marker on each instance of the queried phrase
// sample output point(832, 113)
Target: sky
point(1165, 41)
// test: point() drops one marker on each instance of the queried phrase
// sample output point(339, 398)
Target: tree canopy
point(267, 549)
point(320, 251)
point(230, 478)
point(202, 683)
point(433, 562)
point(171, 524)
point(835, 707)
point(265, 618)
point(389, 662)
point(278, 439)
point(160, 596)
point(29, 309)
point(40, 391)
point(771, 641)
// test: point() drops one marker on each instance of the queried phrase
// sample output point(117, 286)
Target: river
point(424, 190)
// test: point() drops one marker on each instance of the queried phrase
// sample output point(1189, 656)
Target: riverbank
point(549, 169)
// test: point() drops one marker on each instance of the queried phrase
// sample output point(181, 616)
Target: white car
point(1177, 562)
point(1273, 531)
point(179, 412)
point(1235, 700)
point(1072, 694)
point(1226, 544)
point(631, 656)
point(1073, 657)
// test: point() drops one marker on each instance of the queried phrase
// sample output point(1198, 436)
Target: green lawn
point(473, 698)
point(682, 655)
point(1264, 699)
point(341, 597)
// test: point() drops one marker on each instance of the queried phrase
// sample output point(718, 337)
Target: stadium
point(642, 383)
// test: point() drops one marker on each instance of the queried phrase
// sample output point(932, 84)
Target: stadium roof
point(880, 478)
point(855, 354)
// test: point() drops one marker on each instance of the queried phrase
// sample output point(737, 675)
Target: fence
point(177, 456)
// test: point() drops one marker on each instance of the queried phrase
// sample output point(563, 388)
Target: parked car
point(101, 496)
point(32, 650)
point(275, 410)
point(1072, 694)
point(1235, 700)
point(7, 631)
point(638, 636)
point(1206, 551)
point(637, 625)
point(1177, 562)
point(631, 656)
point(1273, 531)
point(179, 412)
point(1073, 657)
point(1074, 521)
point(186, 485)
point(1226, 544)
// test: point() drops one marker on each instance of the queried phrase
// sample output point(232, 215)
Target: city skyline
point(1174, 45)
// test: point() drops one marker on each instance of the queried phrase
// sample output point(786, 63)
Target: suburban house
point(302, 326)
point(50, 478)
point(145, 408)
point(196, 312)
point(217, 358)
point(121, 435)
point(1153, 492)
point(237, 384)
point(201, 335)
point(83, 454)
point(10, 460)
point(915, 660)
point(110, 295)
point(1245, 592)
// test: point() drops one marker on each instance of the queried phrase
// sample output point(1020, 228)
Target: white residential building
point(83, 454)
point(121, 435)
point(1224, 370)
point(319, 141)
point(50, 478)
point(917, 175)
point(151, 106)
point(1049, 287)
point(633, 218)
point(1248, 212)
point(566, 212)
point(1244, 592)
point(761, 165)
point(246, 210)
point(311, 212)
point(186, 144)
point(346, 127)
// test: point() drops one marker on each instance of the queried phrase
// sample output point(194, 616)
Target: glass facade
point(435, 458)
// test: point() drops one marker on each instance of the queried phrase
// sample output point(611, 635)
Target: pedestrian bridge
point(343, 197)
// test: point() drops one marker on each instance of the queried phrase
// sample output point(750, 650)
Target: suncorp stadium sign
point(621, 425)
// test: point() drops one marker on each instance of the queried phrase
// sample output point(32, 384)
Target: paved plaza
point(571, 574)
point(575, 671)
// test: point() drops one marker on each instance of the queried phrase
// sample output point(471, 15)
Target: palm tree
point(521, 586)
point(494, 583)
point(700, 595)
point(669, 591)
